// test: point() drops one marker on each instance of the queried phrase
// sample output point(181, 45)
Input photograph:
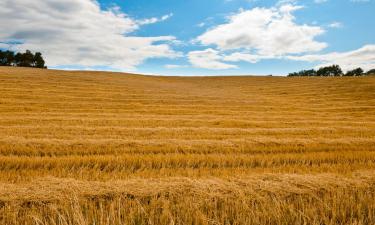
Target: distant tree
point(303, 73)
point(2, 58)
point(6, 58)
point(18, 59)
point(333, 70)
point(309, 73)
point(322, 72)
point(371, 72)
point(27, 59)
point(293, 74)
point(39, 61)
point(9, 58)
point(355, 72)
point(328, 71)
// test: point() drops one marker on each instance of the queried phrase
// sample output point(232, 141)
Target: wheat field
point(100, 148)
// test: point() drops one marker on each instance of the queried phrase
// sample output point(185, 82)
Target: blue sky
point(194, 37)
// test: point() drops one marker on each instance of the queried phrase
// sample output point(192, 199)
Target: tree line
point(27, 59)
point(331, 71)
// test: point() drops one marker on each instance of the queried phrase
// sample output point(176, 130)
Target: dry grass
point(85, 148)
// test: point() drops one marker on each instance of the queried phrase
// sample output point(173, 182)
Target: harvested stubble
point(108, 148)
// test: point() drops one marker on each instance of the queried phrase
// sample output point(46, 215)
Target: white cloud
point(202, 24)
point(335, 25)
point(154, 19)
point(267, 31)
point(174, 66)
point(240, 56)
point(79, 32)
point(363, 57)
point(208, 59)
point(261, 33)
point(256, 34)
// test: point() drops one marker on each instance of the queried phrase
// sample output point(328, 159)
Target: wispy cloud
point(154, 19)
point(335, 25)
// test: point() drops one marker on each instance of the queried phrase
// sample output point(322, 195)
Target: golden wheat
point(82, 148)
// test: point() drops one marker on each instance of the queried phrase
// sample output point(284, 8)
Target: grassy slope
point(85, 146)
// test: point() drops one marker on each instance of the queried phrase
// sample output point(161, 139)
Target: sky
point(192, 37)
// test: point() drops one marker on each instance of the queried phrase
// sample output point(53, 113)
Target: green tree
point(18, 59)
point(27, 59)
point(328, 71)
point(355, 72)
point(371, 72)
point(39, 61)
point(303, 73)
point(9, 58)
point(2, 58)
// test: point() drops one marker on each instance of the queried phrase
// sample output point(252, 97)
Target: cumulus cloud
point(79, 32)
point(257, 34)
point(272, 33)
point(267, 31)
point(363, 57)
point(208, 59)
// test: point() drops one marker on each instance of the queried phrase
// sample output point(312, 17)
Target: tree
point(6, 58)
point(355, 72)
point(303, 73)
point(27, 59)
point(309, 73)
point(371, 72)
point(39, 61)
point(18, 59)
point(328, 71)
point(9, 58)
point(2, 58)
